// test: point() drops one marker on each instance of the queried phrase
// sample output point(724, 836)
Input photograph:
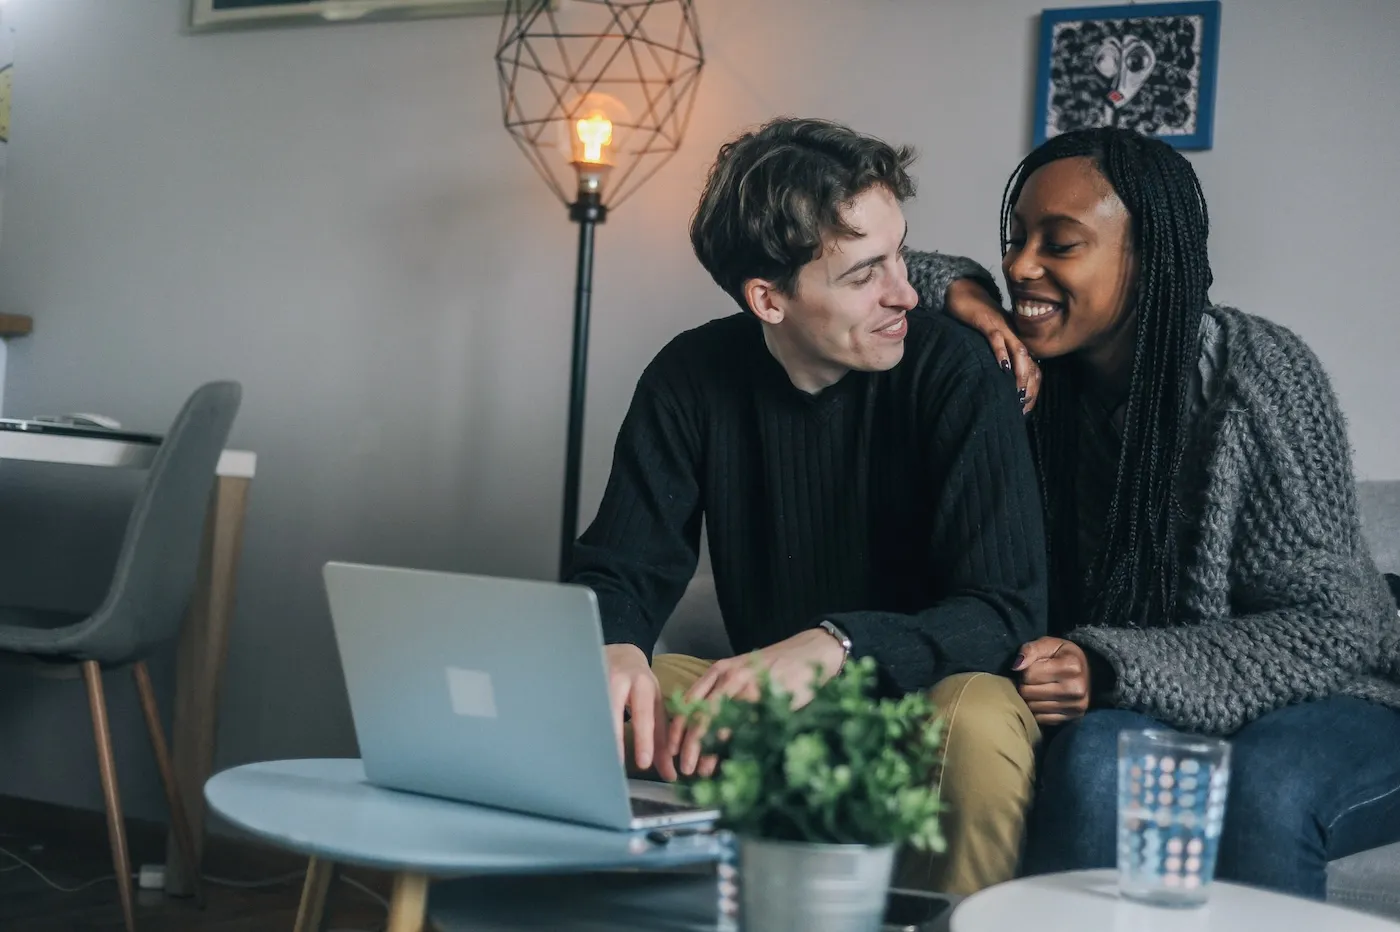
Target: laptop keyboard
point(643, 808)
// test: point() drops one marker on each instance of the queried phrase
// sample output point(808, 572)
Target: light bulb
point(594, 131)
point(596, 135)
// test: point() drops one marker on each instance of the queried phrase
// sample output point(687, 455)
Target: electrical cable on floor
point(21, 862)
point(367, 891)
point(287, 878)
point(254, 884)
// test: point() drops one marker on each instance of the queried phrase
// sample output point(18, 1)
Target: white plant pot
point(796, 887)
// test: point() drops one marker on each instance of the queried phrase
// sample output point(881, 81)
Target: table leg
point(200, 661)
point(408, 907)
point(311, 914)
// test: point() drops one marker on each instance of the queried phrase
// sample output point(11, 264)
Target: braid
point(1134, 579)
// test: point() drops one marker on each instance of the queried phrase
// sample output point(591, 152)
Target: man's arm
point(986, 540)
point(641, 549)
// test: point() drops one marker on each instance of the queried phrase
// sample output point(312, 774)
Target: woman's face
point(1070, 265)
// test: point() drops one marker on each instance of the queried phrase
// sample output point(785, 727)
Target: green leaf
point(843, 769)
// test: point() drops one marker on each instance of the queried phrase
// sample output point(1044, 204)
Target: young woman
point(1207, 564)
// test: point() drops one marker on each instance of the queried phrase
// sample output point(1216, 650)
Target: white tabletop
point(1088, 901)
point(101, 451)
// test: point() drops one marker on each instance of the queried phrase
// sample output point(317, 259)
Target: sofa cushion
point(695, 627)
point(1380, 522)
point(1368, 881)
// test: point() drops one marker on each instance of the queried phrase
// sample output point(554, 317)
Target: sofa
point(1368, 881)
point(1371, 880)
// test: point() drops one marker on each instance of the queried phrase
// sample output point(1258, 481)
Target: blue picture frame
point(1147, 66)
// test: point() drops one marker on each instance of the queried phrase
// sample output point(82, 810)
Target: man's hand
point(633, 687)
point(970, 303)
point(789, 663)
point(1054, 680)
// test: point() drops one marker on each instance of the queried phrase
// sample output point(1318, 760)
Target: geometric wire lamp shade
point(597, 96)
point(604, 86)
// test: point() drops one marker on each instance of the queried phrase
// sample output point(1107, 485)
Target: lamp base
point(589, 208)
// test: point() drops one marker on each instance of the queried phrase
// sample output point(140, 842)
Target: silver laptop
point(490, 691)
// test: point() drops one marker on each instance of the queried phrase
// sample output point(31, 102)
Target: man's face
point(848, 309)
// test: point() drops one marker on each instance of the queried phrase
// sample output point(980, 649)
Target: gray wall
point(334, 217)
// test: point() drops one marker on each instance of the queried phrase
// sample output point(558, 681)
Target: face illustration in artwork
point(1126, 62)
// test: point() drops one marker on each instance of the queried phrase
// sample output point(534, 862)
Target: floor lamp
point(597, 96)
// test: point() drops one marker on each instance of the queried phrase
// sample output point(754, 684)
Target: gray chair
point(144, 606)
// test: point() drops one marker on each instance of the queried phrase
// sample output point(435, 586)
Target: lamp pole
point(609, 85)
point(588, 211)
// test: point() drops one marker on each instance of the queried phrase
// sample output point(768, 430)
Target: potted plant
point(820, 797)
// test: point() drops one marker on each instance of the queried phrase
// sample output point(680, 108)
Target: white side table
point(1088, 901)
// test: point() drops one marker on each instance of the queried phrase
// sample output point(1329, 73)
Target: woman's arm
point(966, 291)
point(1312, 630)
point(1284, 603)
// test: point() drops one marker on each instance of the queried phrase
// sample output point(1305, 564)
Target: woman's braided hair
point(1134, 580)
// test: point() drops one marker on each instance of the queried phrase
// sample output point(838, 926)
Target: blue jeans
point(1308, 784)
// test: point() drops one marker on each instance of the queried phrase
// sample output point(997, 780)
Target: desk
point(1088, 901)
point(326, 810)
point(204, 635)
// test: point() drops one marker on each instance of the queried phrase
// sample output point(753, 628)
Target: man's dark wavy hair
point(772, 194)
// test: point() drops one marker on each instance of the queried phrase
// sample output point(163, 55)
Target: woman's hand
point(969, 302)
point(1054, 680)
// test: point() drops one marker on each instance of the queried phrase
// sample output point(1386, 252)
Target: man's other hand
point(632, 687)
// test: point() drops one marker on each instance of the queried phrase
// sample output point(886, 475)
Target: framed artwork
point(230, 14)
point(1150, 67)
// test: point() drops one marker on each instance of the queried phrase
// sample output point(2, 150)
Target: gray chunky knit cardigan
point(1281, 600)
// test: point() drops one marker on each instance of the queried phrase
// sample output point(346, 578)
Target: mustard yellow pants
point(985, 784)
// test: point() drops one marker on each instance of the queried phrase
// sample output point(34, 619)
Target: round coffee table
point(326, 810)
point(1088, 901)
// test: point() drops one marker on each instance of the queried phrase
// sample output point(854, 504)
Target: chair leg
point(179, 815)
point(116, 828)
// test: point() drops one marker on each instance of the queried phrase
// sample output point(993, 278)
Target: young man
point(862, 469)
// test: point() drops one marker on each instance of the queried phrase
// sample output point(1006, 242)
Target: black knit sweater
point(901, 505)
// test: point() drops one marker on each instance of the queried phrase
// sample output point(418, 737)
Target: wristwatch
point(844, 641)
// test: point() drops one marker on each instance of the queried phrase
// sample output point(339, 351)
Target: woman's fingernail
point(1022, 393)
point(1006, 365)
point(1020, 662)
